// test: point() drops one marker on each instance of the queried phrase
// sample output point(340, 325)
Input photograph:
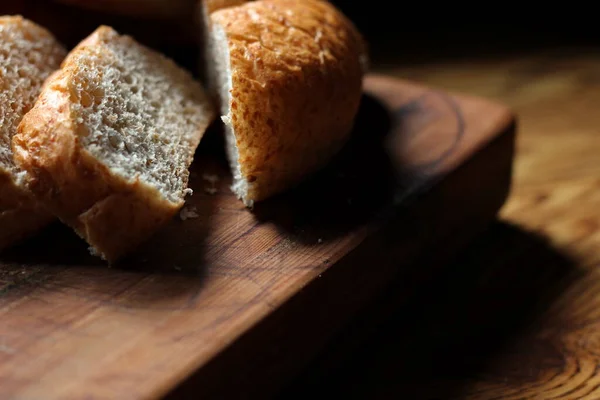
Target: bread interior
point(222, 85)
point(138, 113)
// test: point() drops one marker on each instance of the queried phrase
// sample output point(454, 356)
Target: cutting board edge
point(506, 138)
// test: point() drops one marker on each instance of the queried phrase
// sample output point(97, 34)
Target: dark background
point(402, 32)
point(397, 32)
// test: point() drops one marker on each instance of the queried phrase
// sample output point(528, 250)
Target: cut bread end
point(218, 81)
point(221, 73)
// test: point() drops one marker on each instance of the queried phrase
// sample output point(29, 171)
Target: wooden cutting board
point(226, 300)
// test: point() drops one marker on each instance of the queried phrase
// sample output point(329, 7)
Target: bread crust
point(112, 214)
point(296, 70)
point(20, 215)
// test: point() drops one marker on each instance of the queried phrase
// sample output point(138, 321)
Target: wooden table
point(518, 315)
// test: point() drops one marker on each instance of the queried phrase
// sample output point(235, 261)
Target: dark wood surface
point(233, 301)
point(516, 315)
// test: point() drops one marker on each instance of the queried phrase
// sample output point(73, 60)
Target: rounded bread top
point(296, 74)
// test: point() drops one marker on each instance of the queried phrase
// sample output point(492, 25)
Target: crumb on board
point(320, 241)
point(286, 243)
point(94, 252)
point(188, 192)
point(210, 178)
point(188, 212)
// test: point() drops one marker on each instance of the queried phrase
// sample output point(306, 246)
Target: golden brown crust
point(110, 213)
point(296, 87)
point(125, 217)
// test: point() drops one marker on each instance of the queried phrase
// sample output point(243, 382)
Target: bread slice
point(28, 55)
point(108, 144)
point(289, 77)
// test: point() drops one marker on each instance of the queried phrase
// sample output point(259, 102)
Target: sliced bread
point(28, 55)
point(108, 144)
point(288, 75)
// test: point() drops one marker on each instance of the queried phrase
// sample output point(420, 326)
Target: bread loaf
point(108, 144)
point(28, 55)
point(288, 75)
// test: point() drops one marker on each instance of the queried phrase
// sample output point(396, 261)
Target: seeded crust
point(296, 83)
point(113, 213)
point(30, 54)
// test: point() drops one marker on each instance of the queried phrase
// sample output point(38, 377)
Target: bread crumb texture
point(141, 114)
point(188, 212)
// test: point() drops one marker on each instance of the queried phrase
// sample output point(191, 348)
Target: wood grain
point(229, 289)
point(516, 316)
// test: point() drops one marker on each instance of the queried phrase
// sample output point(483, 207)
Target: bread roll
point(288, 75)
point(108, 144)
point(28, 55)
